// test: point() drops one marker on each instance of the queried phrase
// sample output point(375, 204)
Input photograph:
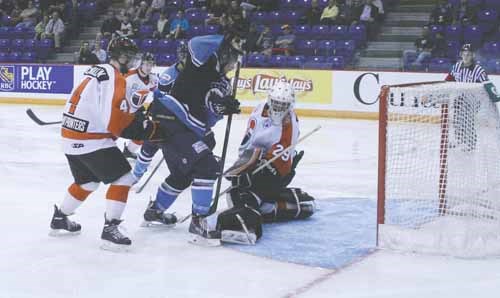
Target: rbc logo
point(6, 78)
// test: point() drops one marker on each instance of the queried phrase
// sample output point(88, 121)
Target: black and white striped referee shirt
point(472, 74)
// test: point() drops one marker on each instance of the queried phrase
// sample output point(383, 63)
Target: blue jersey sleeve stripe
point(183, 114)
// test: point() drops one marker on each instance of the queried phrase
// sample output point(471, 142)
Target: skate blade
point(201, 241)
point(157, 225)
point(110, 246)
point(63, 233)
point(237, 237)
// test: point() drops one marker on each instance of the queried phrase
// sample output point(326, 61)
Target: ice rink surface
point(339, 167)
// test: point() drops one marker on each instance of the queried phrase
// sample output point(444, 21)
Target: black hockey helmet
point(233, 44)
point(466, 48)
point(148, 57)
point(123, 48)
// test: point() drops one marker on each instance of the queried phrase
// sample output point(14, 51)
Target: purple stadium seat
point(165, 59)
point(29, 32)
point(452, 49)
point(325, 47)
point(323, 3)
point(256, 60)
point(339, 32)
point(494, 65)
point(278, 61)
point(491, 49)
point(318, 65)
point(155, 17)
point(454, 3)
point(212, 29)
point(295, 61)
point(291, 17)
point(474, 2)
point(17, 45)
point(306, 47)
point(435, 29)
point(6, 20)
point(4, 32)
point(492, 4)
point(195, 30)
point(174, 5)
point(276, 29)
point(303, 31)
point(439, 65)
point(473, 35)
point(4, 57)
point(346, 49)
point(303, 3)
point(487, 20)
point(189, 4)
point(30, 44)
point(195, 17)
point(166, 46)
point(321, 32)
point(260, 17)
point(337, 62)
point(146, 31)
point(29, 57)
point(15, 57)
point(288, 4)
point(453, 32)
point(316, 59)
point(148, 45)
point(358, 34)
point(277, 17)
point(4, 45)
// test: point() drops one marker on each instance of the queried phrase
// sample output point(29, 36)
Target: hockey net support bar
point(439, 170)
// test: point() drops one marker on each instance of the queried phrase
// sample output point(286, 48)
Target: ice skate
point(112, 237)
point(154, 217)
point(201, 234)
point(128, 154)
point(61, 225)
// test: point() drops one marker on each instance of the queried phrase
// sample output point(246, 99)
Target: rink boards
point(320, 93)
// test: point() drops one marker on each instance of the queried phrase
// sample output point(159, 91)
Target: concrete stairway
point(88, 33)
point(401, 28)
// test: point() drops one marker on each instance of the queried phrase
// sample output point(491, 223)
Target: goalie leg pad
point(241, 225)
point(292, 203)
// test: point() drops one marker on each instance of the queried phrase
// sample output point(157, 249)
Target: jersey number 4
point(75, 97)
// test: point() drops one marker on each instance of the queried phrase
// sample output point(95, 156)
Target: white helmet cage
point(280, 100)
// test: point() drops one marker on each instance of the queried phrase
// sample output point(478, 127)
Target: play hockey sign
point(36, 78)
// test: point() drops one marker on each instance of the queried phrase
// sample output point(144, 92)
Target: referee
point(464, 108)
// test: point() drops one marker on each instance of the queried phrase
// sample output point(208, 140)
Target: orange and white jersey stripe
point(96, 112)
point(273, 139)
point(139, 89)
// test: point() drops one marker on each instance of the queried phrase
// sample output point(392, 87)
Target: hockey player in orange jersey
point(141, 82)
point(96, 113)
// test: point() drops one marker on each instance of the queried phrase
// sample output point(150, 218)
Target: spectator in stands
point(252, 38)
point(265, 5)
point(284, 44)
point(57, 5)
point(102, 5)
point(28, 16)
point(143, 13)
point(234, 8)
point(99, 52)
point(162, 27)
point(55, 30)
point(266, 41)
point(157, 6)
point(40, 27)
point(85, 56)
point(179, 26)
point(217, 8)
point(15, 13)
point(6, 7)
point(381, 12)
point(110, 25)
point(126, 28)
point(465, 14)
point(330, 13)
point(368, 15)
point(312, 15)
point(442, 14)
point(440, 48)
point(423, 48)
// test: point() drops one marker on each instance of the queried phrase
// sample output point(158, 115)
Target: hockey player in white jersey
point(273, 127)
point(96, 114)
point(141, 82)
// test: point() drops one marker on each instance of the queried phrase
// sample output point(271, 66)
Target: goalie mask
point(280, 100)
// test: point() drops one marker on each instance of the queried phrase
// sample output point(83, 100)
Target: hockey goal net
point(439, 170)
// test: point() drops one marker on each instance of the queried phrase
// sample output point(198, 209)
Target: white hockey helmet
point(280, 100)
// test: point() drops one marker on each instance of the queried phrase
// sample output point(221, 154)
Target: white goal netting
point(439, 189)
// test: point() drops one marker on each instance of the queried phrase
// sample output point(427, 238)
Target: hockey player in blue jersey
point(167, 79)
point(199, 97)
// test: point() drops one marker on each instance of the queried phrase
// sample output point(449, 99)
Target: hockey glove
point(223, 105)
point(242, 181)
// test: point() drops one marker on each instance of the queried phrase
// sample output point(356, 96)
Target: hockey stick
point(215, 202)
point(139, 190)
point(37, 120)
point(277, 155)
